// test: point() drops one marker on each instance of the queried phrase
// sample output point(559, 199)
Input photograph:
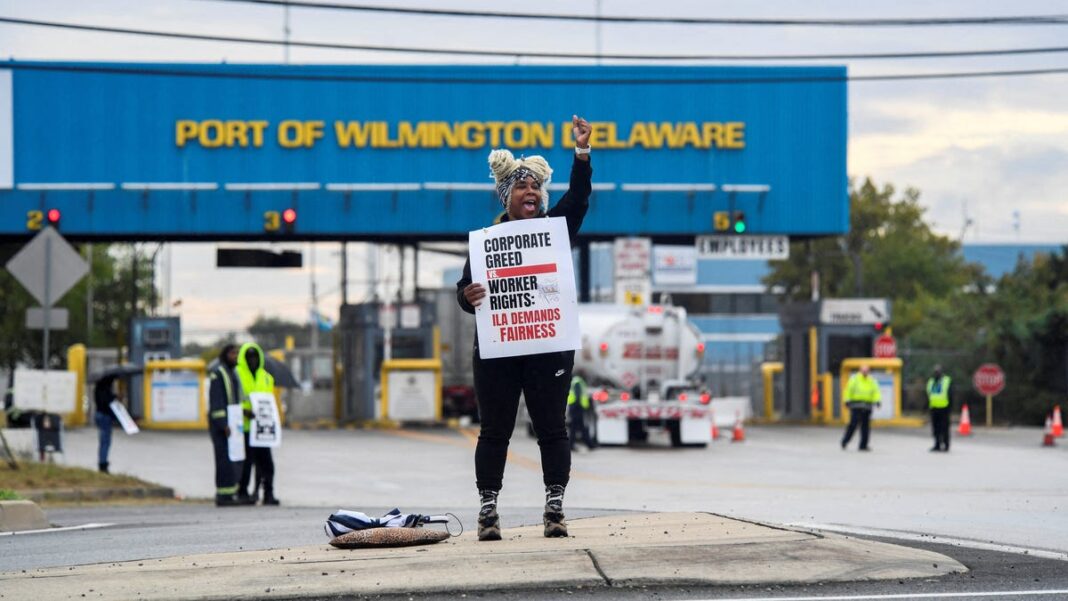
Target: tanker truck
point(641, 364)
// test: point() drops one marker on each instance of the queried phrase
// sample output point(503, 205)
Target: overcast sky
point(981, 148)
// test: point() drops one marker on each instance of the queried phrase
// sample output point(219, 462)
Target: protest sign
point(235, 443)
point(265, 427)
point(121, 414)
point(530, 305)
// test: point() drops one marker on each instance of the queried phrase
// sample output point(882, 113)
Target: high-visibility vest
point(862, 389)
point(938, 393)
point(261, 381)
point(220, 372)
point(579, 393)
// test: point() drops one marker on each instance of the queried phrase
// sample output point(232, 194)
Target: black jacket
point(572, 206)
point(218, 398)
point(102, 396)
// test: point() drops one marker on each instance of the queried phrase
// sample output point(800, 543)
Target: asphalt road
point(996, 492)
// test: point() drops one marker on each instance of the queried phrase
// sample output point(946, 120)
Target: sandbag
point(387, 537)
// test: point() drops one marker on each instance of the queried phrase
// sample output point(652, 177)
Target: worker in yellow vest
point(861, 396)
point(252, 373)
point(578, 403)
point(938, 402)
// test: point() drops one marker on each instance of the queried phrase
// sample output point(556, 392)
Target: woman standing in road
point(543, 379)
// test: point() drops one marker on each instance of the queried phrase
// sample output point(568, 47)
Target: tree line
point(946, 310)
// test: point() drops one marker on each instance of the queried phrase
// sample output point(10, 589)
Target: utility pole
point(285, 32)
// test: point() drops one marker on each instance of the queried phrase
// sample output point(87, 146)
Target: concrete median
point(639, 549)
point(17, 516)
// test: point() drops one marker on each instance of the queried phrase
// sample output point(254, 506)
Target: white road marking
point(969, 595)
point(929, 538)
point(91, 526)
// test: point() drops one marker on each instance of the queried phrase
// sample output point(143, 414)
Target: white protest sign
point(124, 418)
point(531, 305)
point(235, 444)
point(265, 427)
point(49, 391)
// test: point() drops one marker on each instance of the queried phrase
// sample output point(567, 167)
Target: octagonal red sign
point(989, 379)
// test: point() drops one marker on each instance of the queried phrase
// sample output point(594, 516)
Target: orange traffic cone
point(965, 422)
point(1047, 436)
point(1058, 426)
point(739, 432)
point(715, 430)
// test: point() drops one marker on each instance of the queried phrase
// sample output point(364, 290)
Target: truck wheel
point(675, 431)
point(636, 431)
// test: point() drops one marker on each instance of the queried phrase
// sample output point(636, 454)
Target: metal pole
point(133, 282)
point(989, 409)
point(315, 302)
point(400, 283)
point(344, 273)
point(415, 270)
point(89, 298)
point(47, 301)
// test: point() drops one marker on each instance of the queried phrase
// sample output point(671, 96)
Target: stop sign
point(885, 347)
point(989, 379)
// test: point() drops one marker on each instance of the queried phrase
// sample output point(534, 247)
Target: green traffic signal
point(738, 219)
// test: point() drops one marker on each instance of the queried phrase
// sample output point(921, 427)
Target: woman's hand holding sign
point(474, 293)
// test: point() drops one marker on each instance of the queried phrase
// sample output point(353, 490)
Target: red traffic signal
point(53, 216)
point(289, 216)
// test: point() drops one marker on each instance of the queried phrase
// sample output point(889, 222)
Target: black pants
point(858, 416)
point(544, 381)
point(225, 478)
point(940, 427)
point(576, 418)
point(264, 462)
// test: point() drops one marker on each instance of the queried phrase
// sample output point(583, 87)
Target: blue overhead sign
point(223, 151)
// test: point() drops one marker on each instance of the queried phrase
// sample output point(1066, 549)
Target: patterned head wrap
point(506, 171)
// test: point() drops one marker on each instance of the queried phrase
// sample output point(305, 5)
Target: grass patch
point(50, 476)
point(8, 495)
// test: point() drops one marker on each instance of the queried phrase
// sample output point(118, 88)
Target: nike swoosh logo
point(560, 373)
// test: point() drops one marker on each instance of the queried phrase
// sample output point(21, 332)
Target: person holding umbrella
point(104, 418)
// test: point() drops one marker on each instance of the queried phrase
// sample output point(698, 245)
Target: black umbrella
point(118, 371)
point(283, 377)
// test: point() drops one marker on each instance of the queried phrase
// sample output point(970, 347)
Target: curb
point(98, 494)
point(16, 516)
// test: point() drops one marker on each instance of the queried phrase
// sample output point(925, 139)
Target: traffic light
point(881, 327)
point(274, 221)
point(53, 216)
point(738, 222)
point(37, 219)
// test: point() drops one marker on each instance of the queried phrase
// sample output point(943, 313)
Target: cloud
point(991, 182)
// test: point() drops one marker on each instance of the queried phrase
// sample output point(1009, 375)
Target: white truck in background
point(641, 364)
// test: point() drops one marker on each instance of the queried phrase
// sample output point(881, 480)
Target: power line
point(198, 71)
point(874, 22)
point(537, 54)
